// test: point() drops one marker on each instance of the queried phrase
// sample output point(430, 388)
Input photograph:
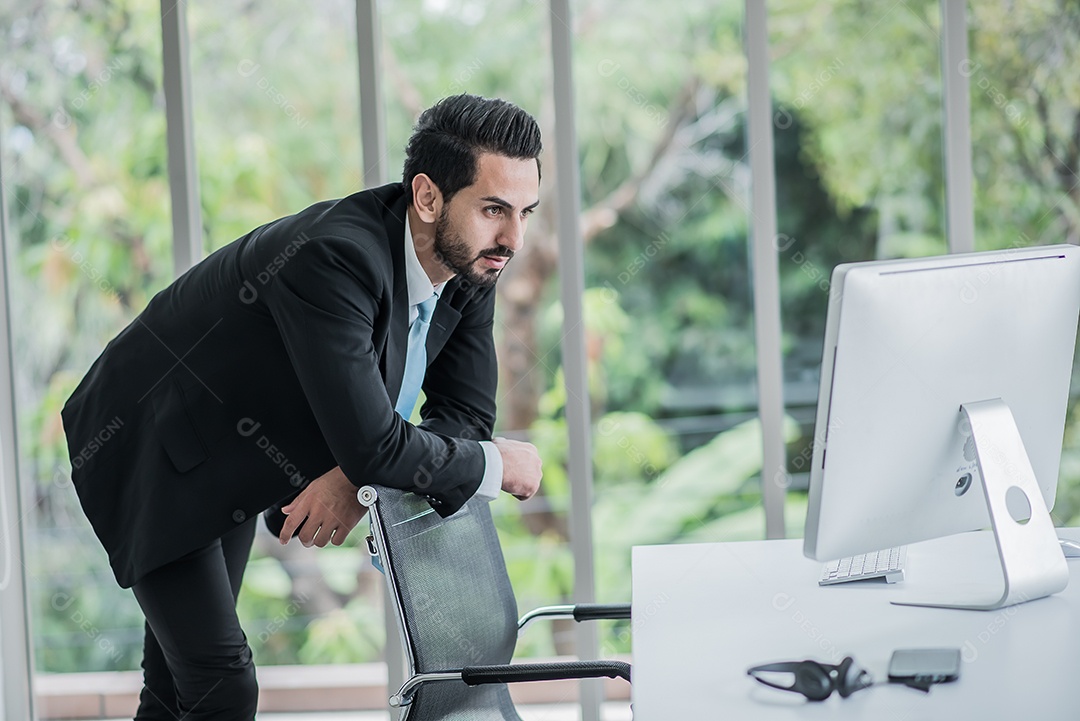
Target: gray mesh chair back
point(455, 602)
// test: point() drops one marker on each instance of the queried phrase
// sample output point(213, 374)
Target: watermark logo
point(278, 622)
point(783, 603)
point(248, 292)
point(458, 84)
point(247, 427)
point(62, 601)
point(1001, 101)
point(783, 244)
point(96, 442)
point(247, 68)
point(66, 245)
point(608, 68)
point(61, 117)
point(782, 118)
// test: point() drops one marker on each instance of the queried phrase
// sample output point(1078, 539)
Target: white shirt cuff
point(493, 472)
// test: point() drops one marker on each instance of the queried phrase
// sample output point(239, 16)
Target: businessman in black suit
point(279, 373)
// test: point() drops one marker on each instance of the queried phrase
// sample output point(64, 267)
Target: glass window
point(1025, 116)
point(276, 106)
point(433, 49)
point(669, 305)
point(88, 202)
point(276, 109)
point(857, 130)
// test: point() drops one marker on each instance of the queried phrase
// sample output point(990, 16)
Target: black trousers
point(196, 660)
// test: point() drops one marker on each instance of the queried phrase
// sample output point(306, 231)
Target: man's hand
point(521, 467)
point(328, 508)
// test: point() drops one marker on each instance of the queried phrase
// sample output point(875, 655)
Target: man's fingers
point(321, 521)
point(307, 533)
point(323, 536)
point(292, 522)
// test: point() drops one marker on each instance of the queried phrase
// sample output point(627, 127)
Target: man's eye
point(493, 209)
point(527, 212)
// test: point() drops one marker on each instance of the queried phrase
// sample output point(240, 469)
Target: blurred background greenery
point(661, 103)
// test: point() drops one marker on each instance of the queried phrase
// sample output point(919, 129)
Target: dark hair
point(450, 136)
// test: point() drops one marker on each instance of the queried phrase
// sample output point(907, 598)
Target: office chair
point(456, 611)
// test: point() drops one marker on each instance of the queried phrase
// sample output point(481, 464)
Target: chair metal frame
point(503, 673)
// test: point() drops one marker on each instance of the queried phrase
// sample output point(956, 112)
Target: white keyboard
point(887, 564)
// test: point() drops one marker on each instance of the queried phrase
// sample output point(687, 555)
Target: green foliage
point(1067, 506)
point(847, 90)
point(628, 449)
point(688, 294)
point(1024, 101)
point(711, 494)
point(273, 618)
point(692, 490)
point(353, 634)
point(857, 90)
point(276, 128)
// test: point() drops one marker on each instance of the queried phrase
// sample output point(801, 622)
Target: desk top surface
point(704, 613)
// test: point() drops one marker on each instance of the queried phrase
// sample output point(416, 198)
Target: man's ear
point(427, 198)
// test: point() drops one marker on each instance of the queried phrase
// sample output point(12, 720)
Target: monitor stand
point(1032, 563)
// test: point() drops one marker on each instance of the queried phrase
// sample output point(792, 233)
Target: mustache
point(498, 253)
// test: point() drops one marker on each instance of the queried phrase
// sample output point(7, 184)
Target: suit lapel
point(443, 322)
point(392, 362)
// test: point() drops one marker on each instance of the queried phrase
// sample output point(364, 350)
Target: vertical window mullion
point(16, 650)
point(180, 137)
point(572, 291)
point(372, 130)
point(373, 149)
point(956, 105)
point(766, 273)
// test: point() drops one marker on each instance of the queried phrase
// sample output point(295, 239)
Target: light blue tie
point(415, 358)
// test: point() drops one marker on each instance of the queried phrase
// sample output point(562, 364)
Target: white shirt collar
point(420, 287)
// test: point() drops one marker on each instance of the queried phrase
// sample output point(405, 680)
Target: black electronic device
point(814, 680)
point(923, 667)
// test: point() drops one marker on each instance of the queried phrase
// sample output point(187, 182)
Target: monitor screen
point(907, 343)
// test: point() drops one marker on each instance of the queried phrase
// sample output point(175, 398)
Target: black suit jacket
point(273, 360)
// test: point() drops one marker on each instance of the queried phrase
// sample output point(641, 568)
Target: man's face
point(483, 225)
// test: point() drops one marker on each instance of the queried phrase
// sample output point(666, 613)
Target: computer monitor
point(944, 389)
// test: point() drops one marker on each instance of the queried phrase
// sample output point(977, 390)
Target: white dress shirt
point(420, 289)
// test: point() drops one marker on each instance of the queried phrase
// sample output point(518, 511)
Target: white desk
point(704, 613)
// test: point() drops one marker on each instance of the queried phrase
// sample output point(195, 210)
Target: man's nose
point(513, 236)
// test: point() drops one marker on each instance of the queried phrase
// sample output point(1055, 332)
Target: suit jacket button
point(239, 516)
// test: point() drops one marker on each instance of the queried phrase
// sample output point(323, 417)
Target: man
point(288, 361)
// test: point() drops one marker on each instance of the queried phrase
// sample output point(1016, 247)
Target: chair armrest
point(513, 673)
point(601, 611)
point(579, 612)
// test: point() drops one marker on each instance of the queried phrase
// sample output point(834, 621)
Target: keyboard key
point(887, 563)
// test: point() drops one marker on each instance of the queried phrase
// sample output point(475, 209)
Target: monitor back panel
point(907, 342)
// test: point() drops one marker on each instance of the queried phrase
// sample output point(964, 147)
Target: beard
point(453, 251)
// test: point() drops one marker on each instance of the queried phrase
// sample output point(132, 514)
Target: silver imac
point(944, 388)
